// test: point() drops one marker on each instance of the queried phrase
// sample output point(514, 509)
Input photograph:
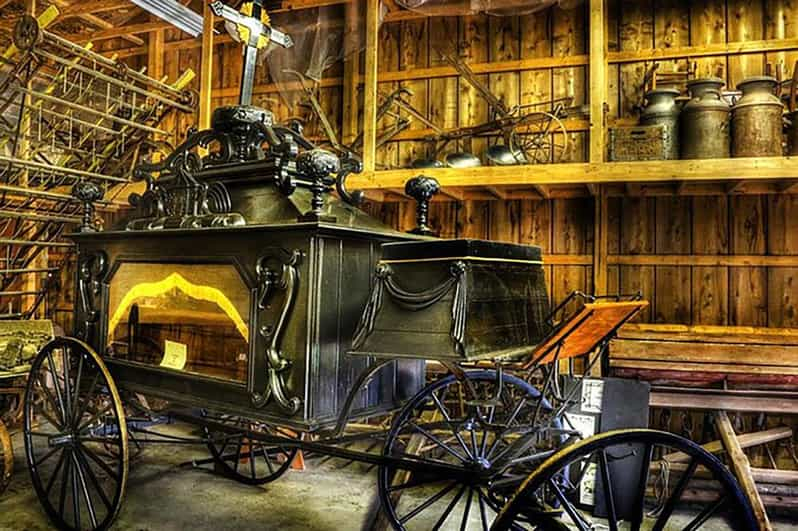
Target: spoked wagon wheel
point(75, 436)
point(243, 459)
point(6, 457)
point(538, 138)
point(497, 433)
point(650, 479)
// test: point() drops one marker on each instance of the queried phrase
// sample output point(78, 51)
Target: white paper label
point(592, 393)
point(584, 424)
point(174, 355)
point(587, 487)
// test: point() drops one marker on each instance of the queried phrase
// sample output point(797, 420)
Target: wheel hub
point(62, 439)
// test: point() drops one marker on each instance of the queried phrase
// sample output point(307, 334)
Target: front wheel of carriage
point(75, 436)
point(479, 437)
point(644, 478)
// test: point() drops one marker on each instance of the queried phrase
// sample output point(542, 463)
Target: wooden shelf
point(585, 173)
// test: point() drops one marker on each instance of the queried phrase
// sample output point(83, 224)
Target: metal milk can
point(661, 109)
point(757, 119)
point(704, 121)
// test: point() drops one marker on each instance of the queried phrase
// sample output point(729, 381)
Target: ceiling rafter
point(95, 6)
point(120, 30)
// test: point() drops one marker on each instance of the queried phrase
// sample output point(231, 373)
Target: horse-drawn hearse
point(250, 300)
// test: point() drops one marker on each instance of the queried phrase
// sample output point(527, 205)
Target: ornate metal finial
point(317, 166)
point(422, 189)
point(87, 193)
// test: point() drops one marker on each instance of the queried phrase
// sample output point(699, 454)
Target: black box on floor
point(601, 405)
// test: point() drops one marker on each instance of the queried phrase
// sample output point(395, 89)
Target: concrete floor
point(165, 492)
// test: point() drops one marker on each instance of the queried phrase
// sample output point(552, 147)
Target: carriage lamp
point(422, 189)
point(87, 193)
point(318, 166)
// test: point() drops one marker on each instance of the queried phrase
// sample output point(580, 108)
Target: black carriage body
point(455, 300)
point(210, 274)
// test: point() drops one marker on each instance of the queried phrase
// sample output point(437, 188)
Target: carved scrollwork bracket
point(277, 271)
point(91, 270)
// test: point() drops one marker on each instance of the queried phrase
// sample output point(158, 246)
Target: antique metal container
point(757, 119)
point(704, 123)
point(455, 300)
point(662, 109)
point(640, 142)
point(792, 134)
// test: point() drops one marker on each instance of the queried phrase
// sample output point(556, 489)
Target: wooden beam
point(155, 55)
point(741, 468)
point(598, 79)
point(498, 193)
point(370, 87)
point(543, 190)
point(746, 440)
point(350, 111)
point(77, 8)
point(94, 20)
point(722, 331)
point(147, 27)
point(600, 242)
point(120, 31)
point(703, 260)
point(735, 187)
point(580, 173)
point(705, 50)
point(206, 69)
point(30, 283)
point(713, 402)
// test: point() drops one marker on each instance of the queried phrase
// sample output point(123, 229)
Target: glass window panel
point(187, 317)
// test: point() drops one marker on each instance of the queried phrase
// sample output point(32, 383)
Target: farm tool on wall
point(529, 136)
point(67, 116)
point(391, 105)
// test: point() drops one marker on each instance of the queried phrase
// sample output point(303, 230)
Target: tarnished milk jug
point(757, 119)
point(704, 121)
point(661, 109)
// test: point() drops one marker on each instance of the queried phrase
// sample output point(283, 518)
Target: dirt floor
point(166, 492)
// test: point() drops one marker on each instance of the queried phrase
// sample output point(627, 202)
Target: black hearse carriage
point(254, 303)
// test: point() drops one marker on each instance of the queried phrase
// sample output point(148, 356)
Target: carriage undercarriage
point(245, 294)
point(477, 448)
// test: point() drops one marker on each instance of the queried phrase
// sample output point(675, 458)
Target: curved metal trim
point(363, 379)
point(276, 365)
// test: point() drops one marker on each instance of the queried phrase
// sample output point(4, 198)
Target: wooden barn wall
point(646, 24)
point(451, 102)
point(683, 230)
point(675, 229)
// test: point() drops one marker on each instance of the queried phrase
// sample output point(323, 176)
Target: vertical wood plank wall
point(673, 228)
point(686, 229)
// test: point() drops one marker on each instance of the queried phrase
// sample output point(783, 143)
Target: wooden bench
point(707, 356)
point(719, 369)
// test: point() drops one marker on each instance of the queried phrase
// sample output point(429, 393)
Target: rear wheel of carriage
point(6, 457)
point(75, 436)
point(494, 433)
point(244, 459)
point(648, 479)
